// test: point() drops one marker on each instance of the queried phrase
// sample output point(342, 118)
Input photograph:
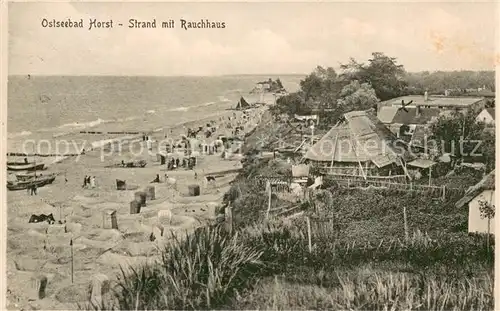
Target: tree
point(487, 150)
point(382, 72)
point(487, 211)
point(289, 104)
point(452, 132)
point(457, 82)
point(320, 85)
point(357, 96)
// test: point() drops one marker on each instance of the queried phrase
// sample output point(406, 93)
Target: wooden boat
point(24, 166)
point(30, 176)
point(140, 163)
point(38, 182)
point(19, 163)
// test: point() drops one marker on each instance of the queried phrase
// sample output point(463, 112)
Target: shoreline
point(85, 141)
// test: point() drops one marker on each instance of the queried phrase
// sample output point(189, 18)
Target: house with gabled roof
point(487, 115)
point(395, 117)
point(484, 191)
point(360, 145)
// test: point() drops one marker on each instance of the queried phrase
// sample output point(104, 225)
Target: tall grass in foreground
point(210, 269)
point(366, 289)
point(198, 272)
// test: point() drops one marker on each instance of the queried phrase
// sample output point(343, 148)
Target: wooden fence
point(434, 191)
point(393, 178)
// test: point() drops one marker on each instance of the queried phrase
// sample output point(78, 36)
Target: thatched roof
point(487, 183)
point(362, 137)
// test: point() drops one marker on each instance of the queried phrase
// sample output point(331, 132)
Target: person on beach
point(84, 182)
point(32, 190)
point(157, 179)
point(166, 177)
point(26, 160)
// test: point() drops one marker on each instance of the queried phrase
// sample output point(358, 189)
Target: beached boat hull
point(30, 176)
point(23, 185)
point(25, 167)
point(133, 164)
point(19, 163)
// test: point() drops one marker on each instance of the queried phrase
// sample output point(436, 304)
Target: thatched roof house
point(360, 145)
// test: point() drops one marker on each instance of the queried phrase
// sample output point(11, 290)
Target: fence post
point(348, 183)
point(444, 193)
point(405, 223)
point(309, 233)
point(411, 185)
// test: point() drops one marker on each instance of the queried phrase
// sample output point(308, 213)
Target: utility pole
point(312, 134)
point(309, 239)
point(405, 223)
point(268, 188)
point(430, 174)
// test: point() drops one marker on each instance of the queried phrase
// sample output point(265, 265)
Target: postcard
point(249, 155)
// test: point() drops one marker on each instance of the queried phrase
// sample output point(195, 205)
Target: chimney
point(426, 96)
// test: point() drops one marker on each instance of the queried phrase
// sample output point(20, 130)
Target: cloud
point(256, 41)
point(354, 27)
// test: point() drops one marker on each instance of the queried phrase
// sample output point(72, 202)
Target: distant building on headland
point(264, 85)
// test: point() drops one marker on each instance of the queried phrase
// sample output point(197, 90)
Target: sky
point(259, 38)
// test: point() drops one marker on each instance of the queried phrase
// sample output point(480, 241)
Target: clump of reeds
point(197, 272)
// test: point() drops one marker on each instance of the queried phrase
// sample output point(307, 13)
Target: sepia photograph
point(250, 155)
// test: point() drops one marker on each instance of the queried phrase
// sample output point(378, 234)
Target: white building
point(487, 115)
point(483, 191)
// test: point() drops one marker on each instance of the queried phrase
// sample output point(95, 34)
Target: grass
point(212, 270)
point(198, 272)
point(366, 289)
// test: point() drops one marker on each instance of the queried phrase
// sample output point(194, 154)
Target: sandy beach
point(40, 248)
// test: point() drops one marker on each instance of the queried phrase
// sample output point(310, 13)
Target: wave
point(77, 125)
point(233, 91)
point(70, 128)
point(208, 104)
point(180, 109)
point(23, 133)
point(223, 99)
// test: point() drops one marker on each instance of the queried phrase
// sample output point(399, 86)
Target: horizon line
point(221, 75)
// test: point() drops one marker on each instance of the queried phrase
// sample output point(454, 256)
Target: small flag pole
point(72, 261)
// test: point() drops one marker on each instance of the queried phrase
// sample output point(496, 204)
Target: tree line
point(359, 86)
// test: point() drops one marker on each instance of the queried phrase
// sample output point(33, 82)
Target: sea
point(46, 107)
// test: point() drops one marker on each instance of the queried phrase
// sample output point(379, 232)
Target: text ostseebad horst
point(94, 23)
